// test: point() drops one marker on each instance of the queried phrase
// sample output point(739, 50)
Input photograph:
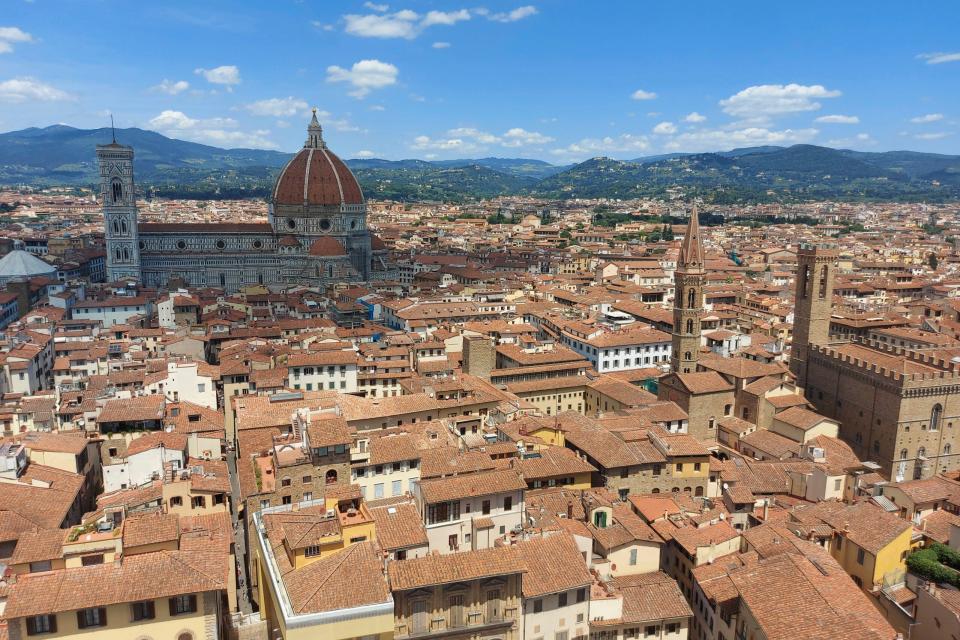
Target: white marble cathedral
point(316, 234)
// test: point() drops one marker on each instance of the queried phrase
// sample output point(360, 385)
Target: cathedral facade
point(316, 233)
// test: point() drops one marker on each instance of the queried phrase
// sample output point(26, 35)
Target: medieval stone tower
point(688, 299)
point(119, 203)
point(816, 266)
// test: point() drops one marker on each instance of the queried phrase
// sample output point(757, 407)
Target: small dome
point(21, 264)
point(316, 176)
point(327, 247)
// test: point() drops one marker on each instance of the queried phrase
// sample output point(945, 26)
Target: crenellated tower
point(688, 299)
point(119, 202)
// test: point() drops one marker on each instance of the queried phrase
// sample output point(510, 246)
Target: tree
point(933, 261)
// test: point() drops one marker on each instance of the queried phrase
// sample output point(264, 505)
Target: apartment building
point(472, 510)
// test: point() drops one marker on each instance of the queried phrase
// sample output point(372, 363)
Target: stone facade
point(816, 266)
point(688, 280)
point(316, 234)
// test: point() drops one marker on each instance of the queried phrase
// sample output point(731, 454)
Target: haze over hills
point(63, 155)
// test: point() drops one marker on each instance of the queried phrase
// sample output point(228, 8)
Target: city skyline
point(445, 80)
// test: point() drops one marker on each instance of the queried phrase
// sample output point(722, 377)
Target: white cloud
point(377, 107)
point(838, 119)
point(444, 17)
point(859, 140)
point(512, 16)
point(217, 131)
point(365, 153)
point(665, 129)
point(518, 137)
point(468, 139)
point(939, 57)
point(624, 143)
point(323, 26)
point(28, 89)
point(640, 94)
point(441, 45)
point(694, 117)
point(10, 36)
point(935, 135)
point(930, 117)
point(400, 24)
point(364, 76)
point(766, 100)
point(278, 107)
point(720, 139)
point(171, 87)
point(227, 74)
point(376, 7)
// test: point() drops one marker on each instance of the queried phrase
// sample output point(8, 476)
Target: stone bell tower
point(118, 199)
point(688, 299)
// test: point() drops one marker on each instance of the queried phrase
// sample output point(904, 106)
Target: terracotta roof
point(146, 576)
point(350, 578)
point(482, 483)
point(399, 526)
point(456, 567)
point(150, 528)
point(327, 246)
point(649, 597)
point(554, 564)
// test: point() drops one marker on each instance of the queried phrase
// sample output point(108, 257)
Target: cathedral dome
point(316, 176)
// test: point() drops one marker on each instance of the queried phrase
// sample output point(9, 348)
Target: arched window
point(123, 225)
point(935, 416)
point(691, 298)
point(698, 492)
point(675, 490)
point(921, 452)
point(946, 449)
point(329, 270)
point(655, 490)
point(117, 188)
point(903, 454)
point(823, 282)
point(126, 253)
point(116, 227)
point(317, 270)
point(331, 477)
point(117, 254)
point(689, 326)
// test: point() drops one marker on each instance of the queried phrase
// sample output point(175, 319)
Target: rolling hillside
point(62, 155)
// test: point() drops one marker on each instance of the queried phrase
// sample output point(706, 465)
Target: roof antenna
point(113, 132)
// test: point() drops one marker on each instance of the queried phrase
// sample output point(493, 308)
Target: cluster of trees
point(937, 562)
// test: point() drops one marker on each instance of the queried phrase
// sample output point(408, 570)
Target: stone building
point(897, 406)
point(316, 233)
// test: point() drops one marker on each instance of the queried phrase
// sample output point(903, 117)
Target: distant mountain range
point(63, 155)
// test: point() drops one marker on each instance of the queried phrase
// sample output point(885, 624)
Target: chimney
point(570, 509)
point(766, 510)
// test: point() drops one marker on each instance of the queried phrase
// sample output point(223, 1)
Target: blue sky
point(558, 80)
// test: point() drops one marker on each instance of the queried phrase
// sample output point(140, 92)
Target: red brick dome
point(316, 176)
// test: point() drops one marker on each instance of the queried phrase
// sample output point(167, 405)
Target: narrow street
point(239, 537)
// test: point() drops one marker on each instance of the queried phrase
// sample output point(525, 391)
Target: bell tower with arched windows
point(816, 265)
point(119, 203)
point(688, 282)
